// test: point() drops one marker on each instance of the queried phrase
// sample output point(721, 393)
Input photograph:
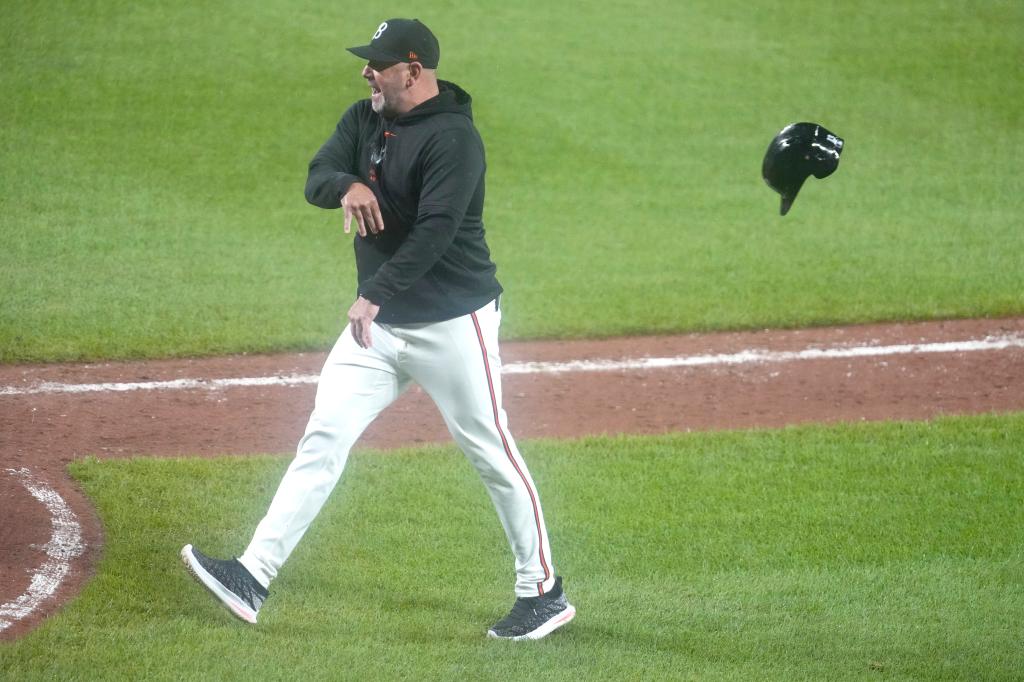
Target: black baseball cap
point(401, 40)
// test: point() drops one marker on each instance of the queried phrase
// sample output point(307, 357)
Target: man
point(408, 166)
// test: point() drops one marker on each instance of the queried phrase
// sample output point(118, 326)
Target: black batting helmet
point(799, 150)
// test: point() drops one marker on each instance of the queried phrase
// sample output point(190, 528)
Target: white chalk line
point(171, 385)
point(753, 357)
point(745, 357)
point(65, 544)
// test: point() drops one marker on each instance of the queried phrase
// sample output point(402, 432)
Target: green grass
point(154, 157)
point(881, 551)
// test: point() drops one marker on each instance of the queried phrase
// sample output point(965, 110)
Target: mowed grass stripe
point(155, 154)
point(807, 553)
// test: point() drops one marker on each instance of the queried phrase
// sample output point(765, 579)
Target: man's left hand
point(361, 316)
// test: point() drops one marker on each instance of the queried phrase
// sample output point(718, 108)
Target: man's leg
point(457, 364)
point(355, 385)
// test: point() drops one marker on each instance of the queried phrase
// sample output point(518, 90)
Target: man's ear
point(415, 69)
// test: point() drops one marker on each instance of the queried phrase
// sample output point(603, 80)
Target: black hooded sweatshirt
point(426, 168)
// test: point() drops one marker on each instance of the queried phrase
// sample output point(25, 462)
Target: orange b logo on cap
point(413, 55)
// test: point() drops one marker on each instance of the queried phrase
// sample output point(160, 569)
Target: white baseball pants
point(457, 363)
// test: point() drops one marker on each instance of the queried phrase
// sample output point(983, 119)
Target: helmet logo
point(380, 30)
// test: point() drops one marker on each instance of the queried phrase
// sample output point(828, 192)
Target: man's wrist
point(370, 298)
point(345, 183)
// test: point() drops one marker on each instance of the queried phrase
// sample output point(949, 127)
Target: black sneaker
point(229, 581)
point(535, 617)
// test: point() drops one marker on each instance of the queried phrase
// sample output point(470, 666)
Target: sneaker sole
point(223, 594)
point(545, 629)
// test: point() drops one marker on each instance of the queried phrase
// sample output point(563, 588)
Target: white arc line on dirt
point(746, 357)
point(65, 544)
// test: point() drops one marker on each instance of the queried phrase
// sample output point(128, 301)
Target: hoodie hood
point(451, 99)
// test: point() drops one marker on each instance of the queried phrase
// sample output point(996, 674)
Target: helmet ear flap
point(798, 151)
point(824, 168)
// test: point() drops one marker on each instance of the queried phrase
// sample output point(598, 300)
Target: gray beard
point(383, 108)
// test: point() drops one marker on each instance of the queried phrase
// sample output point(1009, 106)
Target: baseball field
point(802, 458)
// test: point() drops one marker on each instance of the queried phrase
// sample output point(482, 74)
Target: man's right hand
point(360, 203)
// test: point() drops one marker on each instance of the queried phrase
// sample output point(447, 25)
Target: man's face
point(387, 86)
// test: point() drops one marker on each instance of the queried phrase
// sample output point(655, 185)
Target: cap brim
point(788, 199)
point(372, 54)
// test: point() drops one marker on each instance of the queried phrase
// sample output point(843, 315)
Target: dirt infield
point(48, 417)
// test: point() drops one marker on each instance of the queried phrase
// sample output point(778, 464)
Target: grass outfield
point(154, 157)
point(875, 551)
